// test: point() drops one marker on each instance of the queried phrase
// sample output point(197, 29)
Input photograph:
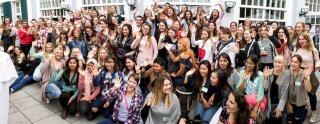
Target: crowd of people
point(140, 72)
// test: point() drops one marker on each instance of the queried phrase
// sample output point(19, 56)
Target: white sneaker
point(313, 117)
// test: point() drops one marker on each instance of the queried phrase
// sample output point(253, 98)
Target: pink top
point(145, 53)
point(82, 85)
point(306, 55)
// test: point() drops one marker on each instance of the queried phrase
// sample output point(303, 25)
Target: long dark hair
point(286, 32)
point(126, 70)
point(190, 20)
point(229, 68)
point(66, 73)
point(130, 32)
point(196, 76)
point(244, 112)
point(255, 59)
point(116, 67)
point(212, 19)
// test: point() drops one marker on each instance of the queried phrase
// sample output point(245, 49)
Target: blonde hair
point(158, 95)
point(78, 57)
point(306, 36)
point(99, 58)
point(280, 59)
point(295, 35)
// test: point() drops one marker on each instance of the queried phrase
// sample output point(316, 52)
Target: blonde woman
point(102, 57)
point(43, 55)
point(162, 105)
point(276, 85)
point(52, 71)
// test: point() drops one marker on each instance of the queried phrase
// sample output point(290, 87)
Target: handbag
point(313, 78)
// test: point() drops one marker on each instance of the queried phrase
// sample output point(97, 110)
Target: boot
point(64, 114)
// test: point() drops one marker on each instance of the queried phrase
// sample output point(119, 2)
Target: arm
point(95, 93)
point(58, 76)
point(36, 55)
point(155, 48)
point(260, 87)
point(75, 95)
point(172, 57)
point(275, 42)
point(193, 39)
point(22, 34)
point(307, 83)
point(135, 43)
point(181, 70)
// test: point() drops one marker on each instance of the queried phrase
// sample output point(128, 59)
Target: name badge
point(298, 83)
point(204, 89)
point(165, 118)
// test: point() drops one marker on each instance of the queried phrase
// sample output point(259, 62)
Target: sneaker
point(47, 100)
point(63, 114)
point(313, 117)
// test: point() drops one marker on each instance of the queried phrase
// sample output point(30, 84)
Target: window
point(268, 3)
point(1, 9)
point(242, 11)
point(18, 7)
point(243, 2)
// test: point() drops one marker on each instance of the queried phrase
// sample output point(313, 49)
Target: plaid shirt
point(135, 106)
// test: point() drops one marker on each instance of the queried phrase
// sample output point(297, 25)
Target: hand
point(168, 47)
point(193, 29)
point(266, 72)
point(211, 100)
point(278, 113)
point(174, 74)
point(26, 76)
point(70, 100)
point(106, 11)
point(285, 39)
point(247, 75)
point(190, 72)
point(90, 55)
point(117, 83)
point(235, 48)
point(106, 105)
point(138, 36)
point(206, 104)
point(84, 99)
point(148, 102)
point(308, 71)
point(137, 68)
point(254, 114)
point(289, 108)
point(81, 71)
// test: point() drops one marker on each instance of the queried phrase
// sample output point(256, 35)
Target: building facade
point(284, 11)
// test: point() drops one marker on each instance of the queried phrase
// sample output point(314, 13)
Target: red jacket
point(25, 38)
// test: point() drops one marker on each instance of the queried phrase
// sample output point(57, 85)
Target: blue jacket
point(79, 44)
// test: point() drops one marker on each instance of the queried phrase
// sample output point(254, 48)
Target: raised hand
point(266, 71)
point(308, 71)
point(190, 72)
point(106, 105)
point(117, 83)
point(148, 101)
point(193, 29)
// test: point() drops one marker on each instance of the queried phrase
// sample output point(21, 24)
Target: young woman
point(268, 47)
point(90, 38)
point(237, 110)
point(88, 89)
point(52, 71)
point(124, 45)
point(247, 46)
point(19, 62)
point(310, 56)
point(5, 33)
point(299, 85)
point(78, 42)
point(231, 73)
point(251, 83)
point(43, 55)
point(148, 18)
point(130, 68)
point(146, 45)
point(216, 16)
point(233, 28)
point(76, 52)
point(298, 29)
point(106, 35)
point(170, 41)
point(204, 45)
point(162, 105)
point(156, 70)
point(283, 37)
point(102, 57)
point(70, 91)
point(63, 38)
point(106, 79)
point(25, 78)
point(171, 16)
point(227, 45)
point(187, 20)
point(128, 101)
point(186, 59)
point(276, 85)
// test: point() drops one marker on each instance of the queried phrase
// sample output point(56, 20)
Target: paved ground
point(26, 108)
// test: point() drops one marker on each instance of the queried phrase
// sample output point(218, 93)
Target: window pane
point(255, 2)
point(261, 2)
point(283, 4)
point(268, 3)
point(282, 15)
point(243, 2)
point(267, 14)
point(248, 12)
point(249, 2)
point(242, 11)
point(278, 3)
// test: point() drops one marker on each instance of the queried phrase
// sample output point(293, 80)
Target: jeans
point(205, 113)
point(299, 113)
point(99, 103)
point(109, 121)
point(37, 73)
point(17, 85)
point(25, 48)
point(85, 108)
point(20, 77)
point(53, 90)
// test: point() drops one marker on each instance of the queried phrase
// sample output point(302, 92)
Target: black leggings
point(313, 101)
point(64, 99)
point(25, 48)
point(85, 108)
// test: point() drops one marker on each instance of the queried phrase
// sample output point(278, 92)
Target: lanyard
point(125, 99)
